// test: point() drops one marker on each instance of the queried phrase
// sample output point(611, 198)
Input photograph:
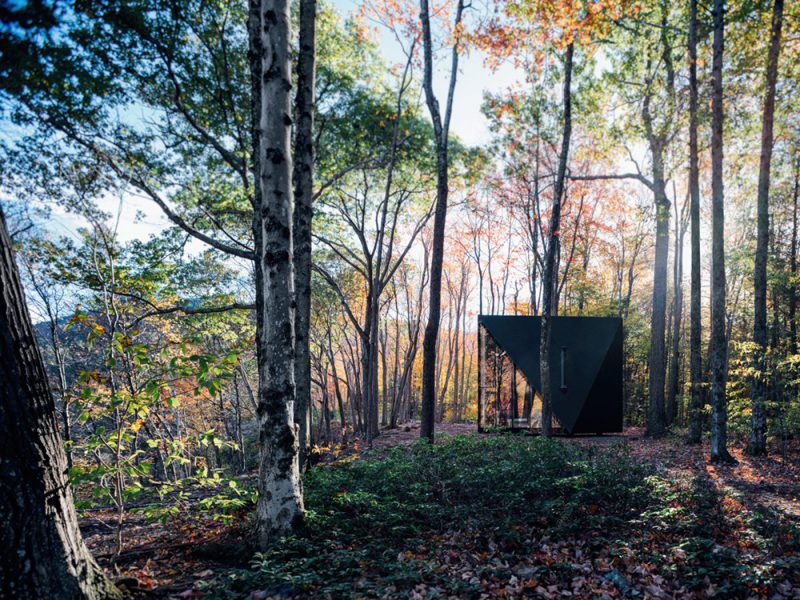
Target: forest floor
point(491, 516)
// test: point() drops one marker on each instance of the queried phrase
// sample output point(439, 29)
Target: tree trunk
point(548, 277)
point(42, 554)
point(758, 431)
point(337, 389)
point(656, 415)
point(280, 503)
point(241, 451)
point(441, 129)
point(301, 235)
point(384, 374)
point(793, 261)
point(463, 387)
point(370, 362)
point(673, 382)
point(719, 342)
point(457, 351)
point(434, 306)
point(695, 430)
point(326, 408)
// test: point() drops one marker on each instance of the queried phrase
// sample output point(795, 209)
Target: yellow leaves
point(405, 556)
point(137, 425)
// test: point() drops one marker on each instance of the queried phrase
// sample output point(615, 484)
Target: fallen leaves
point(713, 528)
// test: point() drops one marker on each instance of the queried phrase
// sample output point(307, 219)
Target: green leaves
point(521, 517)
point(368, 518)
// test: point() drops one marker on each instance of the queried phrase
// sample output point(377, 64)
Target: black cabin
point(585, 373)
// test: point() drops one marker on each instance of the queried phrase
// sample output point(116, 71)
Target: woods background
point(150, 343)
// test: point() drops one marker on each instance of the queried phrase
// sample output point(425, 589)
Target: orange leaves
point(524, 29)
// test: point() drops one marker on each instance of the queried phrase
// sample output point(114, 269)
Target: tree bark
point(793, 260)
point(656, 415)
point(695, 429)
point(758, 430)
point(549, 274)
point(673, 381)
point(280, 503)
point(384, 340)
point(441, 129)
point(336, 388)
point(301, 235)
point(719, 342)
point(43, 554)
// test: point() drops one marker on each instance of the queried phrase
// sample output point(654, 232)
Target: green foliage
point(637, 349)
point(113, 414)
point(363, 513)
point(497, 481)
point(206, 494)
point(782, 378)
point(380, 526)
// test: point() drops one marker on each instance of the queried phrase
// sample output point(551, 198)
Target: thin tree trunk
point(758, 431)
point(719, 344)
point(384, 374)
point(793, 283)
point(451, 356)
point(337, 389)
point(326, 408)
point(280, 503)
point(441, 128)
point(457, 351)
point(43, 554)
point(247, 387)
point(463, 389)
point(673, 381)
point(301, 235)
point(366, 385)
point(396, 365)
point(242, 468)
point(548, 278)
point(695, 430)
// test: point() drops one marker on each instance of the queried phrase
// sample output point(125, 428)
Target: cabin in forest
point(585, 373)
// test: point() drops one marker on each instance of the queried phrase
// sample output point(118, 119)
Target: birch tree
point(280, 501)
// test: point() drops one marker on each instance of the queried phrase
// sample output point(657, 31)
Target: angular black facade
point(586, 372)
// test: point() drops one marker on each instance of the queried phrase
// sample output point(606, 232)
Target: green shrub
point(364, 514)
